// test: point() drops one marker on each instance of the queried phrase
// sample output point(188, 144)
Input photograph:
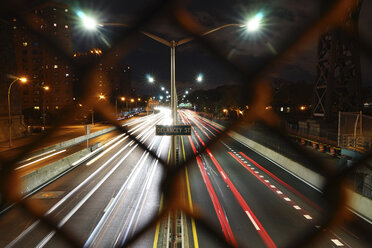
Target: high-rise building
point(38, 60)
point(112, 79)
point(8, 73)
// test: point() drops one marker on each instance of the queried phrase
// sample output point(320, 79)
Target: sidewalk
point(63, 134)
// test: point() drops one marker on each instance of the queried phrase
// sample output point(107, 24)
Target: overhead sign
point(173, 130)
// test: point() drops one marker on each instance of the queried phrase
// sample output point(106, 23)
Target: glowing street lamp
point(101, 97)
point(88, 22)
point(254, 23)
point(199, 78)
point(150, 79)
point(45, 88)
point(22, 80)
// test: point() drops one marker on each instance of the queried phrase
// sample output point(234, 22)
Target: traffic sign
point(173, 130)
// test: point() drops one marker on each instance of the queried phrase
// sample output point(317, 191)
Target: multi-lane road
point(250, 200)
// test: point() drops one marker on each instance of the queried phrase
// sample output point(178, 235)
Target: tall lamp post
point(251, 26)
point(22, 80)
point(45, 88)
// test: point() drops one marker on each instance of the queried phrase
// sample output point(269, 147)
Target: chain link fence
point(254, 85)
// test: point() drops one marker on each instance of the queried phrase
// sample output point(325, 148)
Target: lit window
point(57, 107)
point(24, 43)
point(41, 26)
point(14, 27)
point(66, 26)
point(55, 24)
point(36, 107)
point(67, 74)
point(46, 66)
point(55, 66)
point(14, 20)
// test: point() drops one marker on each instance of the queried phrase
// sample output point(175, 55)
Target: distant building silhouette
point(39, 60)
point(111, 79)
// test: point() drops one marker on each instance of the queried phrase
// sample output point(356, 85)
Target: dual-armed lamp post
point(251, 26)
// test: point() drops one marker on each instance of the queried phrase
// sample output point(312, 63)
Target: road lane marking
point(337, 242)
point(252, 220)
point(308, 216)
point(109, 204)
point(262, 232)
point(155, 245)
point(193, 226)
point(86, 197)
point(297, 207)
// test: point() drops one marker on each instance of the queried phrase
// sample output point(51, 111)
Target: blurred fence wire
point(254, 84)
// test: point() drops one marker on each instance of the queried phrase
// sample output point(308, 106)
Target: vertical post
point(355, 130)
point(92, 117)
point(339, 129)
point(361, 126)
point(173, 98)
point(10, 117)
point(43, 110)
point(116, 107)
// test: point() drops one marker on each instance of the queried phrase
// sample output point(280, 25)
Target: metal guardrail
point(254, 85)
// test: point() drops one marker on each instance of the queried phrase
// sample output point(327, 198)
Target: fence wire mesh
point(254, 85)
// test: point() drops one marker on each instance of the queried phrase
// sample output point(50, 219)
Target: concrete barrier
point(73, 141)
point(361, 205)
point(41, 176)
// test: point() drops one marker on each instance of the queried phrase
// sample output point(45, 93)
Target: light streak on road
point(41, 159)
point(39, 155)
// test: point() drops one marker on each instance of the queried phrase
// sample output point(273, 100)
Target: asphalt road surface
point(249, 200)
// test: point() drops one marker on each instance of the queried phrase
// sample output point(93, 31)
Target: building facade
point(112, 79)
point(50, 83)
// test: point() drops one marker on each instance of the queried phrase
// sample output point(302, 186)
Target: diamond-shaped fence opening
point(254, 85)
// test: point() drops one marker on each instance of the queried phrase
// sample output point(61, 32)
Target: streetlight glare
point(150, 79)
point(254, 23)
point(101, 97)
point(162, 88)
point(88, 22)
point(46, 88)
point(199, 78)
point(23, 79)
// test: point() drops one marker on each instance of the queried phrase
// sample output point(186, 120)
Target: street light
point(22, 80)
point(45, 88)
point(254, 23)
point(150, 79)
point(199, 78)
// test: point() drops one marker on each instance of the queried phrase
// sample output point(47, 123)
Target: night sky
point(282, 19)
